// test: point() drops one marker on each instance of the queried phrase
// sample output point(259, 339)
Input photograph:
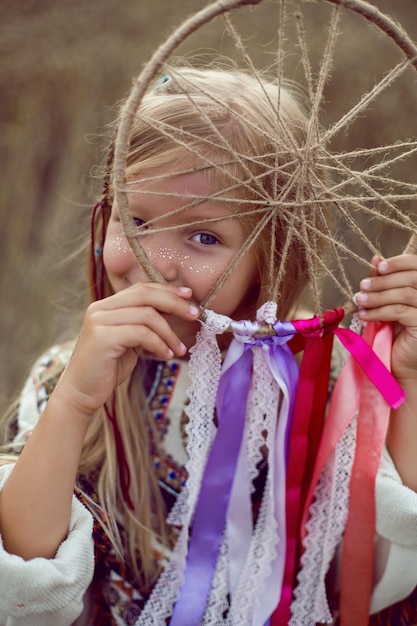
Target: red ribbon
point(308, 453)
point(316, 339)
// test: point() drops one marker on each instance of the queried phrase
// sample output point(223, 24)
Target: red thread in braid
point(97, 269)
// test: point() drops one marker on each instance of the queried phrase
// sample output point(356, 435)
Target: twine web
point(359, 185)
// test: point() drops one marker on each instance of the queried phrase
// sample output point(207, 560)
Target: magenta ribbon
point(214, 496)
point(361, 351)
point(372, 365)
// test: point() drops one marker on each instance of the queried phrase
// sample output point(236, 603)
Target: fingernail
point(185, 290)
point(183, 348)
point(362, 297)
point(365, 283)
point(383, 266)
point(194, 310)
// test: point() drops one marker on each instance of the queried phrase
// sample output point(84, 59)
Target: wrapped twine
point(303, 229)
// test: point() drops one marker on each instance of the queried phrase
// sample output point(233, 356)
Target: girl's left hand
point(390, 295)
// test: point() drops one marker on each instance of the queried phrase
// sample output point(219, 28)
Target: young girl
point(106, 451)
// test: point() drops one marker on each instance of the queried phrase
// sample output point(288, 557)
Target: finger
point(406, 278)
point(394, 304)
point(374, 262)
point(402, 313)
point(400, 263)
point(396, 291)
point(168, 299)
point(107, 327)
point(144, 293)
point(164, 346)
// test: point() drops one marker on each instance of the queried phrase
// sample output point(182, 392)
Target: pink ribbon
point(357, 558)
point(308, 421)
point(353, 392)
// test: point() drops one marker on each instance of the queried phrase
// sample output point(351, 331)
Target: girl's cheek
point(200, 276)
point(186, 263)
point(117, 255)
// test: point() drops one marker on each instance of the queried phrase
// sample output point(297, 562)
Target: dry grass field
point(64, 65)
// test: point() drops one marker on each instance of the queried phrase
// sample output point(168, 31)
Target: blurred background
point(64, 66)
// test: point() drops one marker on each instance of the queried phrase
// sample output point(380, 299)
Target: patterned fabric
point(42, 381)
point(163, 379)
point(116, 601)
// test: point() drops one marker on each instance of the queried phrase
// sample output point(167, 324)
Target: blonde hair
point(249, 140)
point(195, 118)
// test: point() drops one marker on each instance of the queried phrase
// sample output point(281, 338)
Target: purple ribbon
point(214, 497)
point(283, 365)
point(285, 371)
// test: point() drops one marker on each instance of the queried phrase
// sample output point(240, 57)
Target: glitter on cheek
point(120, 246)
point(165, 254)
point(183, 260)
point(205, 269)
point(119, 261)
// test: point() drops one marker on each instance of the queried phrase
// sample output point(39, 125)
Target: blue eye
point(206, 239)
point(138, 222)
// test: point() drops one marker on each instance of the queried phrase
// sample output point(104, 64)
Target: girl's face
point(188, 255)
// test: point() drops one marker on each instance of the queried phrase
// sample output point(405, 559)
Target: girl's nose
point(165, 259)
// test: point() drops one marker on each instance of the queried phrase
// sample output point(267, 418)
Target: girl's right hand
point(113, 333)
point(35, 503)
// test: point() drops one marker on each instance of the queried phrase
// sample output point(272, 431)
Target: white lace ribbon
point(247, 580)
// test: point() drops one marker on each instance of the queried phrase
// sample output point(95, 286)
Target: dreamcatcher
point(237, 570)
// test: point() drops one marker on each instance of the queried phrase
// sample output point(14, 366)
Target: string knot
point(244, 330)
